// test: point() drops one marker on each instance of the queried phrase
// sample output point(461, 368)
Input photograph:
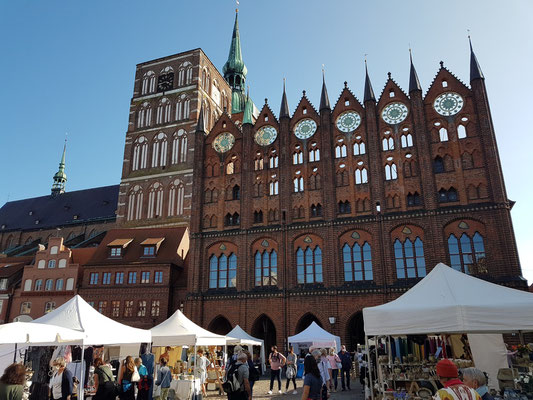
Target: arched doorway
point(305, 321)
point(263, 328)
point(220, 325)
point(355, 331)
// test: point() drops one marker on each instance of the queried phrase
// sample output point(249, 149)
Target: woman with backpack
point(104, 381)
point(277, 360)
point(292, 359)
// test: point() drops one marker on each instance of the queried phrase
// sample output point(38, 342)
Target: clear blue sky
point(68, 66)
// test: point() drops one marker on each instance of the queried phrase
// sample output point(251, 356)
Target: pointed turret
point(247, 118)
point(324, 99)
point(200, 126)
point(235, 71)
point(60, 178)
point(475, 69)
point(414, 83)
point(369, 92)
point(284, 109)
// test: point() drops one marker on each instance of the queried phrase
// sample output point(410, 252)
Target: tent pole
point(378, 375)
point(194, 371)
point(15, 354)
point(368, 371)
point(81, 385)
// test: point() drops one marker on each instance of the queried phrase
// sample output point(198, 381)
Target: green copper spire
point(235, 71)
point(60, 177)
point(248, 110)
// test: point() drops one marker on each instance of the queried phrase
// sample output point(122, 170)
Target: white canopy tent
point(178, 330)
point(240, 336)
point(48, 335)
point(448, 301)
point(316, 336)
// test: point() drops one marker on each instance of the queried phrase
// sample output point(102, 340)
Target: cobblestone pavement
point(260, 392)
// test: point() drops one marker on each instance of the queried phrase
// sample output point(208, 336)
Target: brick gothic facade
point(155, 189)
point(352, 215)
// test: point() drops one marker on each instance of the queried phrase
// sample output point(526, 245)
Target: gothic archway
point(220, 325)
point(355, 331)
point(305, 321)
point(264, 328)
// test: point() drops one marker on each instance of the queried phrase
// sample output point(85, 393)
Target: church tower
point(235, 71)
point(60, 177)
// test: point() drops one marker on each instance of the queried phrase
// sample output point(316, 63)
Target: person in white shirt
point(324, 368)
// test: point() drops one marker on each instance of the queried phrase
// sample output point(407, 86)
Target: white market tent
point(78, 315)
point(240, 336)
point(178, 330)
point(449, 301)
point(47, 335)
point(316, 337)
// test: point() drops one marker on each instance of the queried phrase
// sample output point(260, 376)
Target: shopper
point(104, 381)
point(12, 382)
point(292, 360)
point(143, 386)
point(61, 384)
point(335, 363)
point(164, 377)
point(312, 380)
point(277, 360)
point(476, 379)
point(125, 379)
point(201, 364)
point(346, 366)
point(253, 372)
point(323, 368)
point(243, 374)
point(453, 389)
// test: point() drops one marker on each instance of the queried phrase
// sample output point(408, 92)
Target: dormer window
point(149, 251)
point(116, 252)
point(117, 247)
point(151, 246)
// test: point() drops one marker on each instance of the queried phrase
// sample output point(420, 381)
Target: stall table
point(185, 388)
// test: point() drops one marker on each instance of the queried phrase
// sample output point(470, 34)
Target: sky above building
point(68, 66)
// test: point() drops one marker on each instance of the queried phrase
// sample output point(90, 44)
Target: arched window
point(148, 83)
point(49, 285)
point(41, 264)
point(258, 217)
point(345, 207)
point(309, 265)
point(70, 284)
point(359, 148)
point(232, 219)
point(391, 172)
point(273, 160)
point(465, 251)
point(340, 151)
point(446, 196)
point(230, 168)
point(314, 153)
point(27, 285)
point(188, 75)
point(222, 271)
point(388, 143)
point(25, 308)
point(409, 256)
point(135, 203)
point(258, 162)
point(159, 150)
point(176, 195)
point(38, 285)
point(413, 199)
point(236, 192)
point(461, 132)
point(181, 76)
point(163, 111)
point(438, 165)
point(361, 176)
point(266, 268)
point(316, 210)
point(273, 187)
point(443, 134)
point(406, 140)
point(179, 147)
point(59, 284)
point(144, 115)
point(298, 184)
point(51, 263)
point(155, 201)
point(49, 306)
point(297, 157)
point(357, 262)
point(140, 153)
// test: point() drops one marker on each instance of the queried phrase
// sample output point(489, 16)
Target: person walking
point(292, 360)
point(312, 381)
point(253, 372)
point(143, 386)
point(201, 364)
point(244, 392)
point(12, 382)
point(475, 378)
point(335, 363)
point(125, 379)
point(346, 366)
point(453, 389)
point(276, 360)
point(61, 384)
point(323, 368)
point(164, 377)
point(104, 381)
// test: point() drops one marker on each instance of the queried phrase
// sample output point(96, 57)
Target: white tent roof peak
point(244, 337)
point(47, 335)
point(316, 335)
point(78, 315)
point(448, 301)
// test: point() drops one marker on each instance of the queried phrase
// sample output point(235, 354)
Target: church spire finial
point(60, 178)
point(475, 69)
point(414, 83)
point(369, 92)
point(284, 109)
point(324, 99)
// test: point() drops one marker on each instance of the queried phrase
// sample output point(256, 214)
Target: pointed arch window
point(461, 132)
point(443, 134)
point(345, 207)
point(258, 162)
point(273, 187)
point(258, 217)
point(223, 271)
point(466, 251)
point(176, 196)
point(359, 148)
point(273, 160)
point(144, 115)
point(266, 268)
point(413, 199)
point(148, 83)
point(188, 75)
point(357, 262)
point(316, 210)
point(159, 150)
point(179, 147)
point(315, 182)
point(391, 172)
point(342, 177)
point(140, 153)
point(449, 195)
point(309, 265)
point(297, 157)
point(135, 203)
point(155, 201)
point(163, 111)
point(314, 153)
point(409, 256)
point(406, 140)
point(181, 76)
point(387, 143)
point(361, 176)
point(232, 219)
point(340, 150)
point(298, 183)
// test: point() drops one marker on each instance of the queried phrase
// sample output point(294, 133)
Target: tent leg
point(15, 354)
point(378, 375)
point(81, 385)
point(194, 373)
point(368, 369)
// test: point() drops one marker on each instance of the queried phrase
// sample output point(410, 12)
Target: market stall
point(239, 336)
point(314, 336)
point(447, 301)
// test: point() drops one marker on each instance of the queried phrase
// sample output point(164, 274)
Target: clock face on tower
point(305, 128)
point(448, 104)
point(394, 113)
point(223, 142)
point(165, 82)
point(348, 121)
point(266, 135)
